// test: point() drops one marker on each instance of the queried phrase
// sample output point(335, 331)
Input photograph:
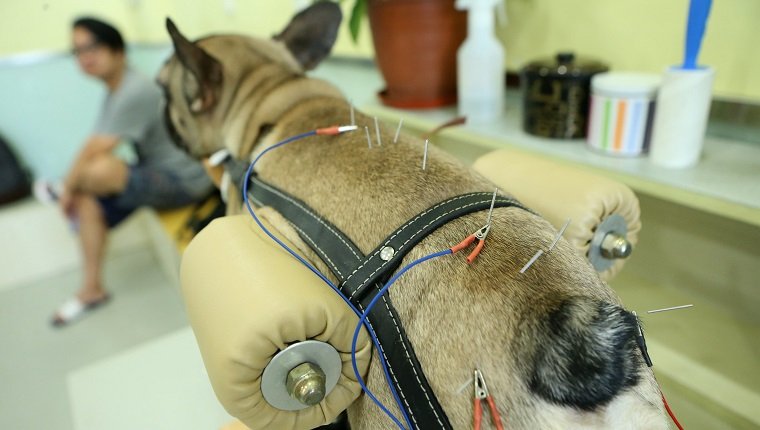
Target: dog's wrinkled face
point(178, 95)
point(193, 81)
point(201, 80)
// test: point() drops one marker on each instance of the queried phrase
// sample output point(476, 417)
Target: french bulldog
point(556, 344)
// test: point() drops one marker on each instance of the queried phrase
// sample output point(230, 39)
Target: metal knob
point(615, 246)
point(306, 384)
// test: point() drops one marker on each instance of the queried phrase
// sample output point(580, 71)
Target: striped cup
point(622, 111)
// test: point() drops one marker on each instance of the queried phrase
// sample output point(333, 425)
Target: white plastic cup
point(683, 107)
point(622, 111)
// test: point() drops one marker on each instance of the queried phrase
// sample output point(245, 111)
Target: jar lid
point(626, 84)
point(565, 64)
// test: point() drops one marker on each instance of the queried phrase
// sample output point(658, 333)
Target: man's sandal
point(73, 309)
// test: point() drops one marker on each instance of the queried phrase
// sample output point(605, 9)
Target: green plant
point(355, 18)
point(358, 11)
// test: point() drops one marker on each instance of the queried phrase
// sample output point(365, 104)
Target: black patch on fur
point(586, 354)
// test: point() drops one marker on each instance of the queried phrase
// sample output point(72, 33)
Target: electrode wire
point(363, 317)
point(373, 336)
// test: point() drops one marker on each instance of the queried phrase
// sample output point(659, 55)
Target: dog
point(557, 346)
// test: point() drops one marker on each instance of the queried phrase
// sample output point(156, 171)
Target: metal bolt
point(306, 384)
point(387, 253)
point(615, 246)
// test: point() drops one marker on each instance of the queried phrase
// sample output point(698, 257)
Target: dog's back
point(557, 348)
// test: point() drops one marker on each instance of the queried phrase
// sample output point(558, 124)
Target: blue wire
point(328, 282)
point(331, 285)
point(272, 236)
point(363, 318)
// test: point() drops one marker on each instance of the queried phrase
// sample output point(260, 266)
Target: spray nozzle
point(500, 5)
point(479, 4)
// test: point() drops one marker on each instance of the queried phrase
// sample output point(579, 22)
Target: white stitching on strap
point(321, 252)
point(411, 238)
point(385, 301)
point(288, 198)
point(402, 228)
point(256, 201)
point(382, 350)
point(390, 367)
point(395, 323)
point(330, 262)
point(409, 359)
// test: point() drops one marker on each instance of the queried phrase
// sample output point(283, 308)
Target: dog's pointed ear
point(206, 69)
point(311, 34)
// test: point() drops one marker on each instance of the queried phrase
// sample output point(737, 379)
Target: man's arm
point(96, 145)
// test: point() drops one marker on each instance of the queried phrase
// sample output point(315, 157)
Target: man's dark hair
point(103, 32)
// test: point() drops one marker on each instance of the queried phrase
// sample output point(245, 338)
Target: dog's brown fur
point(554, 343)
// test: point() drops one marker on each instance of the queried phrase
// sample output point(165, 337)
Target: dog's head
point(202, 80)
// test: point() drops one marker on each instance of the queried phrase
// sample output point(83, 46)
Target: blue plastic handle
point(699, 10)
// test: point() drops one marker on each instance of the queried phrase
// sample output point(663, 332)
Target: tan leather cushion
point(558, 192)
point(247, 299)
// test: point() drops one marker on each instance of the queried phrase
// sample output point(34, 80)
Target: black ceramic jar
point(556, 95)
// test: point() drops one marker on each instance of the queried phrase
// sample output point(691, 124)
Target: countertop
point(726, 181)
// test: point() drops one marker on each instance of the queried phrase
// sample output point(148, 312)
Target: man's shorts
point(146, 187)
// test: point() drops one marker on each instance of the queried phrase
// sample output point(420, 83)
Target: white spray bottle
point(480, 65)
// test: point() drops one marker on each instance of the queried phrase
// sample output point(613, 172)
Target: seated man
point(129, 161)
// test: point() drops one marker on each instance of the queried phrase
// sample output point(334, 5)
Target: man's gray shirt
point(133, 113)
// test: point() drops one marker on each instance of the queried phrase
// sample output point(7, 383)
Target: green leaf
point(355, 20)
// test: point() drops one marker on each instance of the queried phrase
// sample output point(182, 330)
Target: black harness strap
point(378, 267)
point(332, 246)
point(359, 275)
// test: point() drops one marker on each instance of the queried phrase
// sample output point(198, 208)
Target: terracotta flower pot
point(416, 44)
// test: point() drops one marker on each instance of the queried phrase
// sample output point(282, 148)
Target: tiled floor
point(156, 385)
point(132, 364)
